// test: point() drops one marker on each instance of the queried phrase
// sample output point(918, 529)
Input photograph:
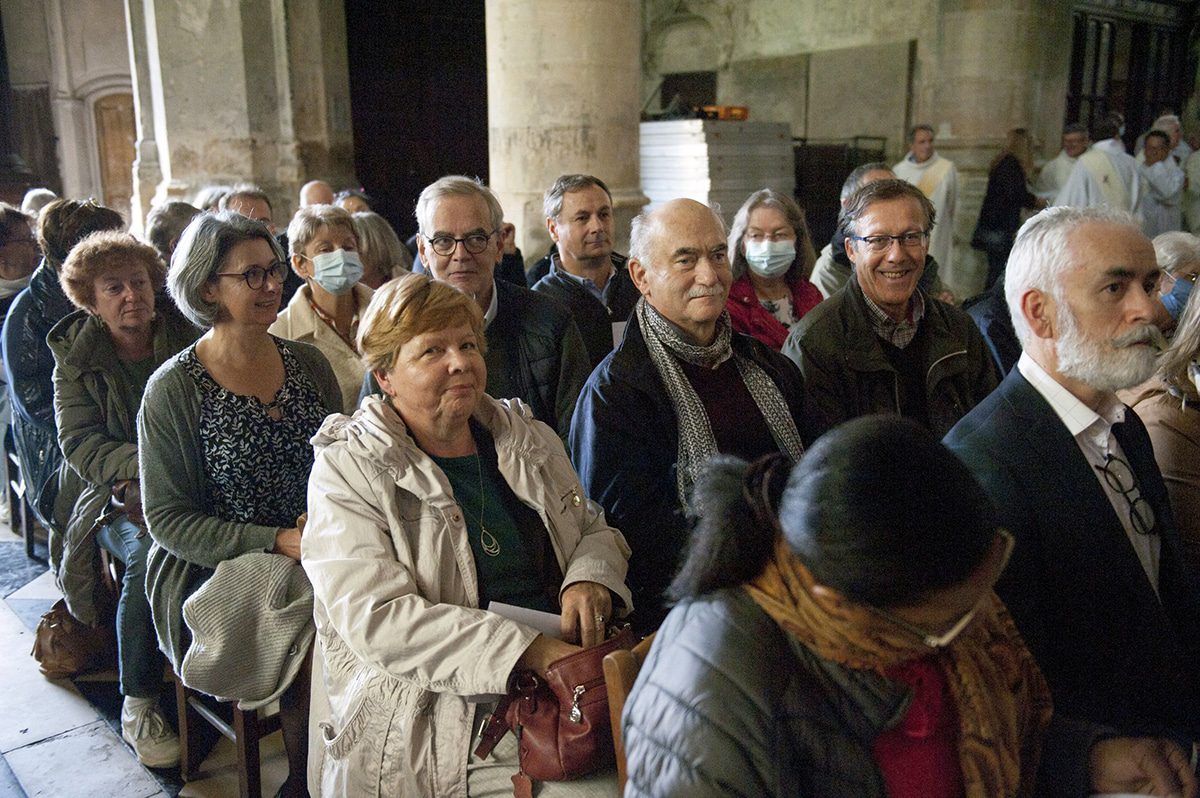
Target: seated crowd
point(875, 565)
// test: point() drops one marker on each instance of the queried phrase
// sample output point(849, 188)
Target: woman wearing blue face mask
point(1178, 256)
point(324, 312)
point(1169, 402)
point(771, 255)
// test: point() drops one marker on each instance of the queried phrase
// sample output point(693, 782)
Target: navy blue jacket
point(1112, 651)
point(624, 444)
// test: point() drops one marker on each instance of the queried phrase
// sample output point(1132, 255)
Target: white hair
point(1041, 255)
point(1174, 249)
point(455, 186)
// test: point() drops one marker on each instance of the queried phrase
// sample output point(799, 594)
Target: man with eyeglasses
point(1096, 584)
point(534, 350)
point(881, 344)
point(585, 275)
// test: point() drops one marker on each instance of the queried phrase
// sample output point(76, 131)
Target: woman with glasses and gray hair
point(771, 254)
point(837, 633)
point(324, 312)
point(223, 442)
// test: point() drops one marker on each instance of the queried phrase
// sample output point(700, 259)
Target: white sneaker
point(148, 733)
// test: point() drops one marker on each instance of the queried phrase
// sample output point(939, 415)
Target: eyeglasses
point(881, 243)
point(1119, 477)
point(946, 638)
point(255, 276)
point(474, 243)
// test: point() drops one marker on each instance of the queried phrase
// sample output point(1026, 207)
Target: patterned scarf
point(696, 441)
point(1002, 699)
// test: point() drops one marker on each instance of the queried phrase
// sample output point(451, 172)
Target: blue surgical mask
point(770, 258)
point(337, 271)
point(1177, 300)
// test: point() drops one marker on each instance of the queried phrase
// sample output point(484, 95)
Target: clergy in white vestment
point(1104, 175)
point(1056, 171)
point(1191, 193)
point(1161, 211)
point(938, 179)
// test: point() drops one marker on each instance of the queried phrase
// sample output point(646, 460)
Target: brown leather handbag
point(561, 721)
point(64, 647)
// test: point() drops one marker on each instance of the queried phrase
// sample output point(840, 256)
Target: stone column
point(995, 65)
point(14, 175)
point(564, 83)
point(229, 90)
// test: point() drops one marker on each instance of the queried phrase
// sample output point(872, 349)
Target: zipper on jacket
point(935, 363)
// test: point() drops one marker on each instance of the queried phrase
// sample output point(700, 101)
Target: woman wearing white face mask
point(324, 312)
point(771, 254)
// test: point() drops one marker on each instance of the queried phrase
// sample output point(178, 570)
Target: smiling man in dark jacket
point(880, 344)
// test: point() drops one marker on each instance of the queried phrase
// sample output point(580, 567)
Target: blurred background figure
point(1056, 171)
point(352, 200)
point(316, 192)
point(384, 256)
point(166, 223)
point(209, 197)
point(1006, 196)
point(35, 199)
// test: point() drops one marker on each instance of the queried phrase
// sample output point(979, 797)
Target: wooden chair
point(620, 670)
point(245, 733)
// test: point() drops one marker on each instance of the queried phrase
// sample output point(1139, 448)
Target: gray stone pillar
point(997, 65)
point(239, 90)
point(564, 83)
point(14, 174)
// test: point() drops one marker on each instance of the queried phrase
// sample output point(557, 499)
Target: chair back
point(620, 671)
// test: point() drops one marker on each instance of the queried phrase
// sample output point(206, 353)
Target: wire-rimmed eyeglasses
point(881, 243)
point(1119, 476)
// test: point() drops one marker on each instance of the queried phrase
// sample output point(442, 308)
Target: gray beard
point(1097, 363)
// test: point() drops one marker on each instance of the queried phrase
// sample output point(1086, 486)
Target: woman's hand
point(543, 651)
point(287, 541)
point(586, 611)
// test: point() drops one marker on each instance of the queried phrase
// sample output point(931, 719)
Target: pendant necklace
point(487, 541)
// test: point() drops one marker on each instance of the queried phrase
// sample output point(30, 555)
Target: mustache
point(696, 292)
point(1144, 334)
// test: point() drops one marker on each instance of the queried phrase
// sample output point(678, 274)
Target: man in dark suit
point(1096, 583)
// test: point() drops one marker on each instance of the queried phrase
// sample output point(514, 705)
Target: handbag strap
point(495, 726)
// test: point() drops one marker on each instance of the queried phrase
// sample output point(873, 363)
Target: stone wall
point(972, 68)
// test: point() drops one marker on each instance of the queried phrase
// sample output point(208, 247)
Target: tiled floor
point(57, 743)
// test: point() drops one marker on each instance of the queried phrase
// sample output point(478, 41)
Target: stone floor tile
point(87, 761)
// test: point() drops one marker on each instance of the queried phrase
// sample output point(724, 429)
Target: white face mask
point(770, 258)
point(337, 271)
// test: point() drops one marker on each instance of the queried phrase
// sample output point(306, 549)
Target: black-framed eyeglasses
point(1119, 476)
point(255, 276)
point(881, 243)
point(947, 637)
point(474, 243)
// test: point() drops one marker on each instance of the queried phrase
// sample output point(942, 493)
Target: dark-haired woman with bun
point(837, 634)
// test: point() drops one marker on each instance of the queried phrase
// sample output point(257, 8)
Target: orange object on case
point(735, 113)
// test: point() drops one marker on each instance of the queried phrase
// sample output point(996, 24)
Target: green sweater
point(188, 542)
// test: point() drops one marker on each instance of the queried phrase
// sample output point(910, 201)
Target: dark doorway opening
point(418, 98)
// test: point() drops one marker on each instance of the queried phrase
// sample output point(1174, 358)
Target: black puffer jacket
point(29, 367)
point(728, 704)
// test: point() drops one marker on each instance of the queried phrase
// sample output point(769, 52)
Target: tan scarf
point(1002, 699)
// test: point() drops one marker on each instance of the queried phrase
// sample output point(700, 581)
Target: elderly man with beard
point(1096, 583)
point(679, 388)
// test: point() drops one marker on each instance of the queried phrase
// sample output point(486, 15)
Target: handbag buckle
point(576, 712)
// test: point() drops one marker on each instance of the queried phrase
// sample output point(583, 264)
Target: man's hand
point(586, 611)
point(1142, 765)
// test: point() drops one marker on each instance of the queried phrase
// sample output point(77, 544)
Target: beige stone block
point(88, 761)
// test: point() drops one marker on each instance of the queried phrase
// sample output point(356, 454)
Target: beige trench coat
point(402, 644)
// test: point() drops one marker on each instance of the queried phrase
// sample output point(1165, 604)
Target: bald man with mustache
point(680, 388)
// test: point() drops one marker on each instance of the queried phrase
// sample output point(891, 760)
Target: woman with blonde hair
point(383, 255)
point(1007, 194)
point(428, 506)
